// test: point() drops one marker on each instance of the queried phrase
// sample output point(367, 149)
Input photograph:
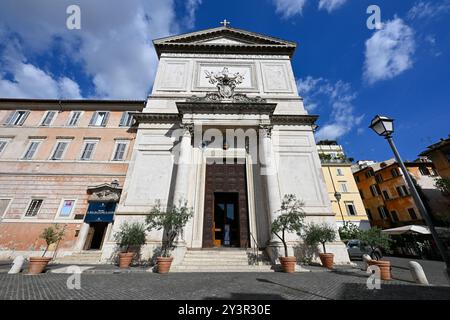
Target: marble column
point(183, 166)
point(269, 170)
point(182, 179)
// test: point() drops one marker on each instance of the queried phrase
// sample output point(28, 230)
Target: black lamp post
point(384, 126)
point(338, 197)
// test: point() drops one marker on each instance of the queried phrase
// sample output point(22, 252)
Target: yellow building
point(346, 201)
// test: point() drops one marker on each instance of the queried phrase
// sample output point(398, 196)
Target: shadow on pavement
point(296, 289)
point(355, 291)
point(247, 296)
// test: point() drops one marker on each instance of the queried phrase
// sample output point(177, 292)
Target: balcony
point(328, 159)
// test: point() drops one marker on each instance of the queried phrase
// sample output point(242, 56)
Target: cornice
point(156, 117)
point(294, 119)
point(226, 107)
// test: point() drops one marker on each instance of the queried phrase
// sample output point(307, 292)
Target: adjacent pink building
point(62, 162)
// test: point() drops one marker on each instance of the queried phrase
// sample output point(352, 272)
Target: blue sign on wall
point(100, 212)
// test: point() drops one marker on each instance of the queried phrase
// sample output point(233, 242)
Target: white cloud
point(389, 52)
point(428, 10)
point(191, 8)
point(289, 8)
point(331, 5)
point(340, 96)
point(113, 47)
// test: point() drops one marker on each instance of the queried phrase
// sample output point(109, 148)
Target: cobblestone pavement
point(434, 270)
point(325, 285)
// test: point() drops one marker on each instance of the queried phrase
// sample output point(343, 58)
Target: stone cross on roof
point(225, 23)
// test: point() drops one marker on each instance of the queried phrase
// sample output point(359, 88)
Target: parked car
point(356, 249)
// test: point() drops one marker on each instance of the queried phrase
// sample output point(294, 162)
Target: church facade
point(225, 130)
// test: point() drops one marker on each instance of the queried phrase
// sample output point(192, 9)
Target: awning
point(412, 229)
point(101, 217)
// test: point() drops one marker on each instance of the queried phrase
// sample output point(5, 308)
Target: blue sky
point(346, 72)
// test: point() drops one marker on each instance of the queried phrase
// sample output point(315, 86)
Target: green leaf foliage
point(349, 231)
point(52, 234)
point(171, 221)
point(290, 219)
point(319, 233)
point(375, 238)
point(130, 235)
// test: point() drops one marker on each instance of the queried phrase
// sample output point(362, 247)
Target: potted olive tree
point(51, 235)
point(374, 238)
point(171, 221)
point(130, 237)
point(321, 234)
point(290, 220)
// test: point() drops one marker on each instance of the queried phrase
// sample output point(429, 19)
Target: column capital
point(267, 129)
point(188, 128)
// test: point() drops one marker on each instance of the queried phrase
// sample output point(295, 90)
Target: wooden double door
point(225, 222)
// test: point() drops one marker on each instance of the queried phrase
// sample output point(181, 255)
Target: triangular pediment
point(223, 39)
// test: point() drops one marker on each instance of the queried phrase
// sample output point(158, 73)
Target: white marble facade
point(169, 157)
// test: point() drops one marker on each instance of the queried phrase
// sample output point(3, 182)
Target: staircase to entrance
point(79, 258)
point(223, 260)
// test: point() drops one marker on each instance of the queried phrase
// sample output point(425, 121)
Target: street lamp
point(384, 126)
point(338, 197)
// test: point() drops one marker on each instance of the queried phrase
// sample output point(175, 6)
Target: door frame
point(201, 157)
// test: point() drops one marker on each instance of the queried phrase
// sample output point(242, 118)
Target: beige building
point(61, 162)
point(337, 171)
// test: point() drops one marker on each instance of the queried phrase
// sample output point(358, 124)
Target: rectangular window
point(386, 195)
point(373, 190)
point(17, 118)
point(394, 216)
point(344, 187)
point(357, 179)
point(394, 173)
point(383, 212)
point(3, 144)
point(412, 213)
point(339, 172)
point(379, 178)
point(74, 118)
point(119, 152)
point(361, 193)
point(59, 150)
point(4, 203)
point(424, 171)
point(31, 150)
point(88, 150)
point(369, 174)
point(49, 116)
point(33, 208)
point(402, 191)
point(369, 214)
point(351, 210)
point(126, 120)
point(99, 119)
point(66, 208)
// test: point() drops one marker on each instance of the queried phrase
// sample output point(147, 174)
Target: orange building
point(439, 153)
point(387, 198)
point(62, 162)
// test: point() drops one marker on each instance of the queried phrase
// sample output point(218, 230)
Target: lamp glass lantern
point(383, 126)
point(338, 196)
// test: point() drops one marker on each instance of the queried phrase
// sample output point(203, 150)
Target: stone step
point(230, 268)
point(215, 263)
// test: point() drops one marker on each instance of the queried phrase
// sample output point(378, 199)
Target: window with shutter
point(33, 208)
point(412, 213)
point(32, 147)
point(3, 144)
point(17, 118)
point(99, 119)
point(88, 150)
point(48, 118)
point(59, 150)
point(119, 153)
point(126, 119)
point(350, 208)
point(75, 117)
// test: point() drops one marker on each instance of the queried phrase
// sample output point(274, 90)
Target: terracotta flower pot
point(125, 259)
point(288, 264)
point(385, 268)
point(164, 264)
point(327, 260)
point(37, 265)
